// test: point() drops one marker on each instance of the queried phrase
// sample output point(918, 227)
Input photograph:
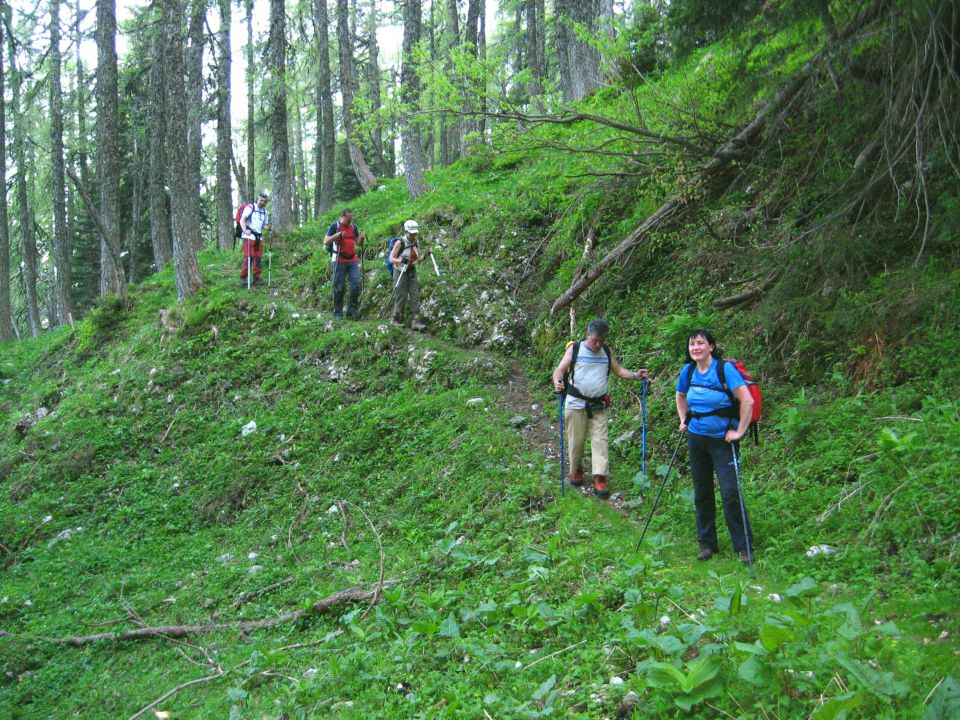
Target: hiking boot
point(417, 324)
point(600, 488)
point(338, 316)
point(396, 320)
point(744, 557)
point(353, 314)
point(706, 553)
point(257, 281)
point(243, 282)
point(576, 479)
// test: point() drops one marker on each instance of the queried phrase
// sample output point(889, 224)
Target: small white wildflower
point(251, 556)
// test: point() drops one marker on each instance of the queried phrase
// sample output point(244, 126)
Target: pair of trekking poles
point(250, 267)
point(666, 476)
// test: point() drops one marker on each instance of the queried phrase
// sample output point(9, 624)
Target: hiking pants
point(709, 455)
point(408, 289)
point(252, 249)
point(340, 273)
point(578, 424)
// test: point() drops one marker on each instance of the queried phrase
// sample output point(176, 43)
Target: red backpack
point(733, 410)
point(238, 231)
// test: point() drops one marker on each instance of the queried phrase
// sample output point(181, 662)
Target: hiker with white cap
point(405, 256)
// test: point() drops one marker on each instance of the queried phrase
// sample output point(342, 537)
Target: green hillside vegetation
point(396, 463)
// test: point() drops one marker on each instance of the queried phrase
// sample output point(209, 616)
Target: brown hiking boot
point(417, 324)
point(706, 553)
point(600, 488)
point(576, 479)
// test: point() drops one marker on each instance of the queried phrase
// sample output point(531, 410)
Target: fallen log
point(320, 607)
point(747, 295)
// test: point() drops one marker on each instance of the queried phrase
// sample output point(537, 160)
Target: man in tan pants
point(590, 362)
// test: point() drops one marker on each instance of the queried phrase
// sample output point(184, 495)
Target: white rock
point(254, 569)
point(773, 597)
point(310, 672)
point(295, 315)
point(47, 518)
point(821, 550)
point(251, 556)
point(169, 398)
point(153, 371)
point(474, 402)
point(28, 602)
point(616, 680)
point(250, 427)
point(332, 509)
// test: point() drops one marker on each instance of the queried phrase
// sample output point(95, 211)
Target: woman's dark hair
point(706, 335)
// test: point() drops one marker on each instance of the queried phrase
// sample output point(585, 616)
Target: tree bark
point(280, 152)
point(160, 239)
point(450, 142)
point(184, 219)
point(28, 242)
point(534, 49)
point(326, 147)
point(579, 62)
point(112, 278)
point(302, 197)
point(373, 80)
point(410, 98)
point(82, 105)
point(193, 58)
point(251, 110)
point(6, 319)
point(61, 237)
point(225, 220)
point(348, 90)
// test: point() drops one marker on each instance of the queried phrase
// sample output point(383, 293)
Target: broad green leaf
point(752, 671)
point(806, 587)
point(836, 708)
point(449, 627)
point(944, 704)
point(668, 644)
point(774, 635)
point(425, 627)
point(665, 675)
point(545, 687)
point(881, 685)
point(702, 670)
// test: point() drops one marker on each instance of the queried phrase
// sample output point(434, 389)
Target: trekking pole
point(643, 429)
point(333, 279)
point(269, 266)
point(435, 268)
point(249, 266)
point(659, 493)
point(743, 508)
point(562, 454)
point(392, 298)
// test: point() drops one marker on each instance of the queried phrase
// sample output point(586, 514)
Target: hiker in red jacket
point(344, 241)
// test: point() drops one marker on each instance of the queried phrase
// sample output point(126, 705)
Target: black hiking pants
point(709, 455)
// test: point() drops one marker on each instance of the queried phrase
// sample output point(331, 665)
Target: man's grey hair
point(598, 327)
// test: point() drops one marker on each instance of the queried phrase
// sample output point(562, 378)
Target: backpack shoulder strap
point(722, 374)
point(609, 361)
point(573, 358)
point(689, 368)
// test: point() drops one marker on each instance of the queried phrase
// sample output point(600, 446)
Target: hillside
point(421, 470)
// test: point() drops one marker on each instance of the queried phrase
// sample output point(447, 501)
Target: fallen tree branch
point(738, 148)
point(246, 597)
point(320, 607)
point(169, 694)
point(746, 295)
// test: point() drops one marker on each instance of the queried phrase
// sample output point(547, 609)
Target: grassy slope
point(490, 578)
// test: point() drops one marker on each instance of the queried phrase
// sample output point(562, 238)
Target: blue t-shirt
point(704, 394)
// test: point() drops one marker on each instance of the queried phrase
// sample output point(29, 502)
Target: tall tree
point(280, 152)
point(6, 319)
point(251, 109)
point(224, 131)
point(28, 242)
point(450, 140)
point(535, 50)
point(578, 61)
point(373, 82)
point(184, 218)
point(193, 58)
point(326, 147)
point(410, 98)
point(160, 239)
point(348, 89)
point(82, 106)
point(112, 279)
point(61, 238)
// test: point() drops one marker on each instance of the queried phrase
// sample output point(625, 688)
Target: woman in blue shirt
point(714, 427)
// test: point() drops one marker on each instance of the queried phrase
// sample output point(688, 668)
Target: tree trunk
point(6, 320)
point(184, 219)
point(471, 38)
point(450, 145)
point(136, 205)
point(280, 161)
point(82, 106)
point(160, 239)
point(28, 242)
point(302, 196)
point(112, 279)
point(326, 146)
point(534, 50)
point(225, 220)
point(251, 110)
point(61, 238)
point(373, 78)
point(193, 58)
point(410, 99)
point(348, 90)
point(579, 62)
